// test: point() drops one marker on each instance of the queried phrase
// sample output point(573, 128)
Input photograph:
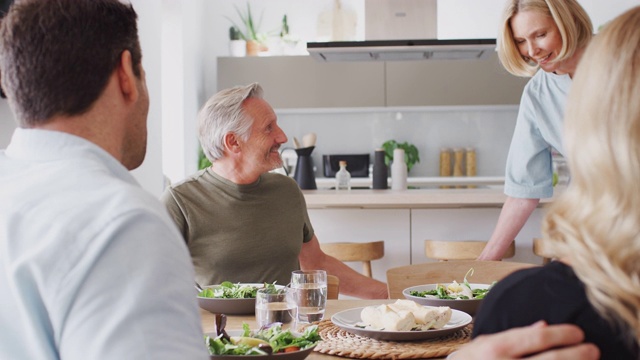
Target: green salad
point(454, 291)
point(270, 339)
point(229, 290)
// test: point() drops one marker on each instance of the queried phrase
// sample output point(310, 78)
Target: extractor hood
point(399, 30)
point(394, 50)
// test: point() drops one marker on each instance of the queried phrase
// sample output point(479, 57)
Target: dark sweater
point(552, 293)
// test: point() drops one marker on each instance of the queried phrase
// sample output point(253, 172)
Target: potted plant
point(411, 154)
point(237, 46)
point(249, 32)
point(203, 162)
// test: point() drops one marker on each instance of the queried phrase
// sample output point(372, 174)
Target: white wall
point(183, 85)
point(7, 123)
point(149, 174)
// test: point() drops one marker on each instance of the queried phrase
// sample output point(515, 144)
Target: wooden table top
point(333, 306)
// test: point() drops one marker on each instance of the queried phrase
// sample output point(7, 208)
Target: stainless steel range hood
point(400, 30)
point(398, 50)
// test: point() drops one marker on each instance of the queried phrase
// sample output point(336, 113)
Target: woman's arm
point(515, 213)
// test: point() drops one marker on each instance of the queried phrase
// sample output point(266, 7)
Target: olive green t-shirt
point(240, 233)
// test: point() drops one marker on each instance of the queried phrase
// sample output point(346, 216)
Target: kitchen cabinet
point(405, 230)
point(451, 83)
point(301, 82)
point(469, 224)
point(365, 225)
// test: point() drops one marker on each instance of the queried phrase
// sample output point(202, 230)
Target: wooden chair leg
point(366, 268)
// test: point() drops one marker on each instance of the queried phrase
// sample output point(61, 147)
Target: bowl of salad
point(231, 298)
point(462, 296)
point(269, 342)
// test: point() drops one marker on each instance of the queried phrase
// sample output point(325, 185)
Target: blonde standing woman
point(595, 225)
point(544, 40)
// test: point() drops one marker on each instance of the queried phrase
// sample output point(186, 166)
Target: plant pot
point(253, 47)
point(237, 48)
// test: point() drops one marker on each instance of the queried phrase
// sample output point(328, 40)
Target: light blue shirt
point(538, 128)
point(91, 266)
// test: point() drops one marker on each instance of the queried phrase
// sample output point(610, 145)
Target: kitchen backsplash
point(488, 129)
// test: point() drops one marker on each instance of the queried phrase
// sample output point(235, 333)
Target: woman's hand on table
point(547, 342)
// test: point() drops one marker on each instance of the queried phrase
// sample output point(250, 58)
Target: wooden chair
point(349, 251)
point(541, 248)
point(333, 286)
point(484, 272)
point(459, 250)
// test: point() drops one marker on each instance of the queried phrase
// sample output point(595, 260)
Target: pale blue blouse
point(538, 128)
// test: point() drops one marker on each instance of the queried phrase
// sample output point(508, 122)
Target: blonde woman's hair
point(571, 19)
point(223, 114)
point(596, 222)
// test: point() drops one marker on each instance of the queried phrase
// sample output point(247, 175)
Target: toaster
point(357, 164)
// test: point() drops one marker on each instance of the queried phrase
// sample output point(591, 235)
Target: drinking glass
point(310, 294)
point(276, 305)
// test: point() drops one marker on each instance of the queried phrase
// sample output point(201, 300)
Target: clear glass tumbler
point(276, 305)
point(310, 294)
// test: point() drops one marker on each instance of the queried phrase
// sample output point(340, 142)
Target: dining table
point(235, 322)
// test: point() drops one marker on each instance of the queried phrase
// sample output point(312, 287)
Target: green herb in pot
point(411, 154)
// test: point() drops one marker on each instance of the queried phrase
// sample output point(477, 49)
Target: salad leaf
point(278, 339)
point(469, 273)
point(455, 291)
point(220, 346)
point(229, 290)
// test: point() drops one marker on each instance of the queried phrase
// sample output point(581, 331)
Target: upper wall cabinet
point(301, 82)
point(453, 82)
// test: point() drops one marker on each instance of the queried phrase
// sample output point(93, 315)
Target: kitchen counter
point(419, 198)
point(408, 199)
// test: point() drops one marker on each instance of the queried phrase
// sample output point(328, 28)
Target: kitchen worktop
point(487, 193)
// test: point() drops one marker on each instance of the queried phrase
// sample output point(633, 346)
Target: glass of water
point(276, 305)
point(310, 293)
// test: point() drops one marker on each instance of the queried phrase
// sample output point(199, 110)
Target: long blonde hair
point(571, 19)
point(596, 222)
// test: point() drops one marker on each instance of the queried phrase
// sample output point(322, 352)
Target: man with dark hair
point(91, 266)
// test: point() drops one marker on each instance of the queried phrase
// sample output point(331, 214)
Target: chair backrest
point(541, 248)
point(333, 287)
point(459, 250)
point(350, 251)
point(484, 272)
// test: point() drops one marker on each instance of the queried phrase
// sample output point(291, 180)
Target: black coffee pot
point(304, 175)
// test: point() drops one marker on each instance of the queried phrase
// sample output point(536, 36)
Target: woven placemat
point(336, 341)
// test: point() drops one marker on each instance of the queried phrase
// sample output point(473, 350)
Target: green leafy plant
point(411, 153)
point(285, 27)
point(203, 162)
point(234, 33)
point(251, 28)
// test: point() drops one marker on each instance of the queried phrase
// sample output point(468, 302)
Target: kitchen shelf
point(486, 181)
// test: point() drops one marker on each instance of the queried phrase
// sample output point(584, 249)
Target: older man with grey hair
point(241, 222)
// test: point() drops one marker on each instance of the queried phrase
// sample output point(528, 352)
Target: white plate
point(230, 306)
point(347, 320)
